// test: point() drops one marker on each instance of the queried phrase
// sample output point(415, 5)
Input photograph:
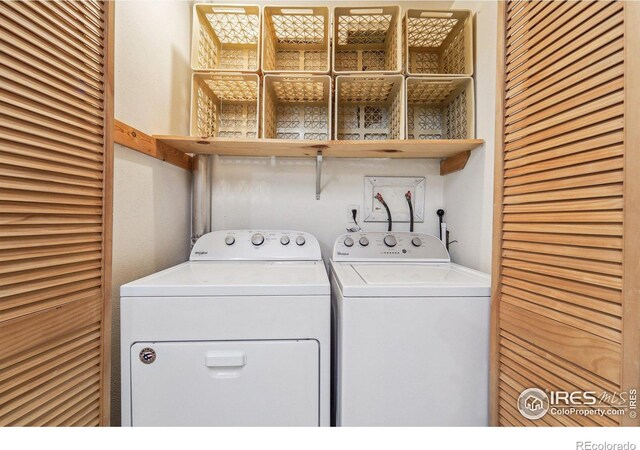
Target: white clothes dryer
point(237, 336)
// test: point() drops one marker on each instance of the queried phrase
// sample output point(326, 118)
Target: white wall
point(279, 193)
point(153, 71)
point(152, 199)
point(468, 194)
point(262, 193)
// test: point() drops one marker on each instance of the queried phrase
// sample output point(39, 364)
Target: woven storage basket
point(225, 105)
point(367, 39)
point(440, 108)
point(295, 39)
point(225, 38)
point(369, 107)
point(297, 107)
point(438, 42)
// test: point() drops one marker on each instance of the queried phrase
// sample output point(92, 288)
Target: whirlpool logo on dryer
point(343, 253)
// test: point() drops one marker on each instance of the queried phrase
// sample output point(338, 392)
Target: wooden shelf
point(454, 153)
point(329, 149)
point(176, 149)
point(135, 139)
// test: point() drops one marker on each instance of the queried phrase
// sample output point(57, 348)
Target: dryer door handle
point(226, 359)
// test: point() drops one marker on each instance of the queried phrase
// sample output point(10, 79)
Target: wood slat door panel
point(56, 98)
point(565, 308)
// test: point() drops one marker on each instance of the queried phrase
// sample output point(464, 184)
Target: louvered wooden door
point(55, 195)
point(566, 248)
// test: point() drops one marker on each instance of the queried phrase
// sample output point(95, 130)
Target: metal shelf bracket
point(318, 174)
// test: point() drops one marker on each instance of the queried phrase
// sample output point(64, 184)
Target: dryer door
point(225, 383)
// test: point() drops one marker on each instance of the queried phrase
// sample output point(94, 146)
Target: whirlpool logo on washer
point(343, 253)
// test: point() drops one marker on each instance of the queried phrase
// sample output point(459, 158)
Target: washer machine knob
point(229, 240)
point(284, 240)
point(390, 240)
point(348, 242)
point(364, 241)
point(417, 242)
point(257, 239)
point(300, 240)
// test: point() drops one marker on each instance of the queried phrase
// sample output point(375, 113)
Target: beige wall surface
point(468, 194)
point(152, 199)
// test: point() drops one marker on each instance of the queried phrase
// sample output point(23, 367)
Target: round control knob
point(390, 240)
point(284, 240)
point(257, 239)
point(348, 242)
point(300, 240)
point(417, 242)
point(364, 241)
point(229, 240)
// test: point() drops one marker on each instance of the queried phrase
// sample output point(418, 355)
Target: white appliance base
point(412, 361)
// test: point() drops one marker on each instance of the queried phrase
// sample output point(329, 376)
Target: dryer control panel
point(256, 245)
point(390, 246)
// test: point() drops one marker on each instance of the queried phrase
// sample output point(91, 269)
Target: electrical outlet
point(350, 214)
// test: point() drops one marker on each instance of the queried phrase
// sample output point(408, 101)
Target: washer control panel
point(390, 246)
point(256, 245)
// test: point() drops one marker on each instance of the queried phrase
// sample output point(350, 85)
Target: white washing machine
point(411, 333)
point(237, 336)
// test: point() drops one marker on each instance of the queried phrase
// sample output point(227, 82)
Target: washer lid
point(233, 278)
point(410, 280)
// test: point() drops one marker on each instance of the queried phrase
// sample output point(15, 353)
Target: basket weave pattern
point(235, 28)
point(369, 108)
point(206, 113)
point(391, 54)
point(450, 61)
point(296, 42)
point(207, 50)
point(438, 45)
point(453, 56)
point(366, 42)
point(456, 117)
point(437, 110)
point(226, 39)
point(428, 32)
point(297, 107)
point(228, 89)
point(226, 106)
point(363, 29)
point(290, 90)
point(242, 59)
point(359, 90)
point(298, 28)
